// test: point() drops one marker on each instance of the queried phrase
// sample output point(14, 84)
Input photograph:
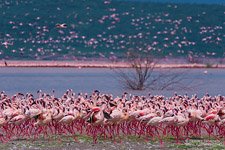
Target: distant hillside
point(109, 29)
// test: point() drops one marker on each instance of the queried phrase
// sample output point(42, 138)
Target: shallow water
point(185, 1)
point(13, 80)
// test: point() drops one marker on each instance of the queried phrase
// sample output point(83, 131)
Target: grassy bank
point(123, 143)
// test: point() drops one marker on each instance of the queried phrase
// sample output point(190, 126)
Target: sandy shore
point(97, 64)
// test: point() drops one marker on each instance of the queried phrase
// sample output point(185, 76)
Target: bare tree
point(143, 74)
point(142, 70)
point(168, 79)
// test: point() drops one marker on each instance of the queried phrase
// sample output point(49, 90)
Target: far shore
point(99, 64)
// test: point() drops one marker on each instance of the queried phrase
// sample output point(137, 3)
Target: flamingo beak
point(96, 109)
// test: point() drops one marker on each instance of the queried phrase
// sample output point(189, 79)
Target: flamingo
point(221, 113)
point(97, 115)
point(33, 112)
point(211, 119)
point(57, 114)
point(61, 26)
point(168, 120)
point(147, 117)
point(195, 114)
point(155, 120)
point(3, 121)
point(18, 119)
point(181, 119)
point(42, 118)
point(67, 119)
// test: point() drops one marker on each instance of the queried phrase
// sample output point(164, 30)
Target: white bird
point(67, 119)
point(61, 26)
point(155, 120)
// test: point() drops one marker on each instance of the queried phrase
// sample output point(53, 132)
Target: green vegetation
point(128, 142)
point(109, 29)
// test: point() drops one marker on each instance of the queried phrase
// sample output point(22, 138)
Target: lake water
point(184, 1)
point(13, 80)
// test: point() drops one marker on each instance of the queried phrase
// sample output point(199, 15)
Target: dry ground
point(127, 143)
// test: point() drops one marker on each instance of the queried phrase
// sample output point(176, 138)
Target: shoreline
point(99, 64)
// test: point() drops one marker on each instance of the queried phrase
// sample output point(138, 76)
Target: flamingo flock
point(109, 29)
point(102, 115)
